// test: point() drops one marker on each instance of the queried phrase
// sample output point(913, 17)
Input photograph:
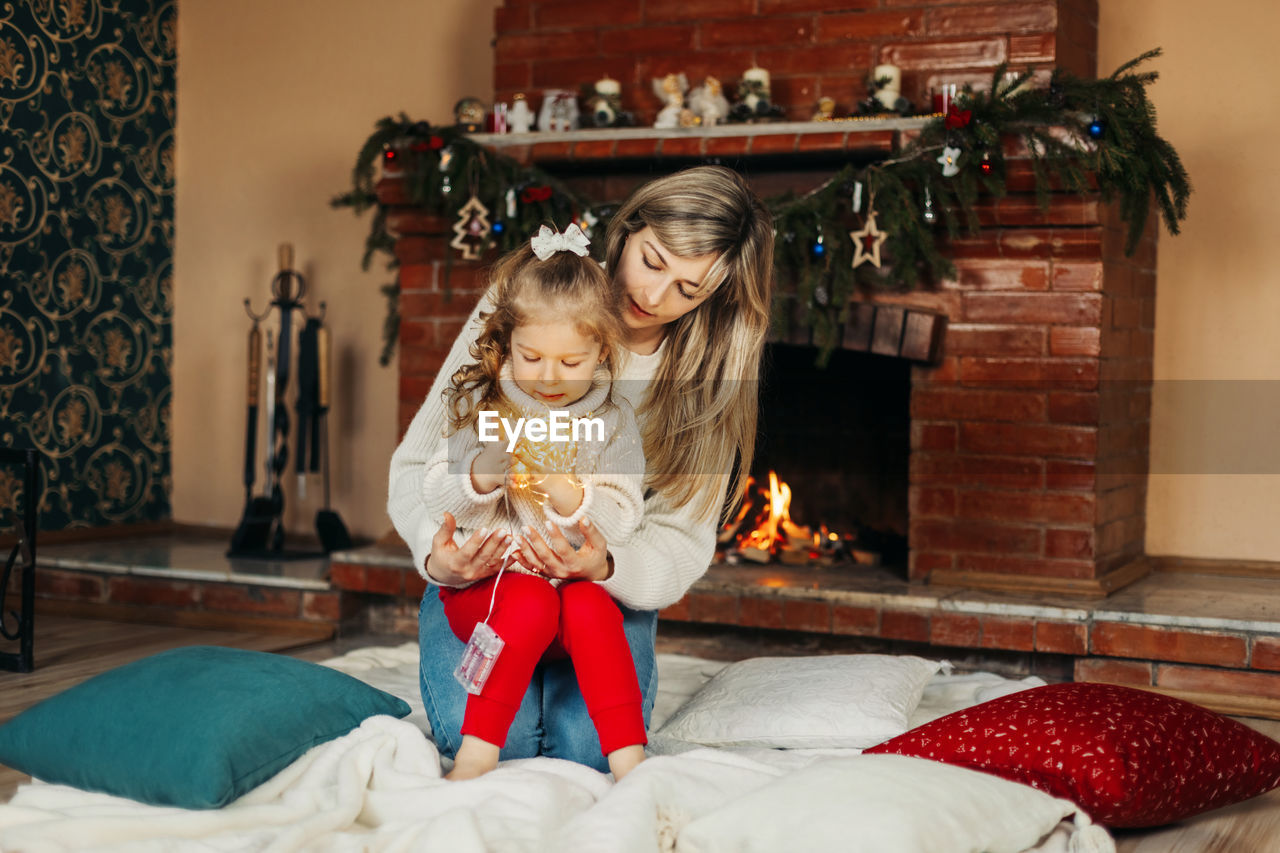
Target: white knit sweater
point(669, 550)
point(610, 470)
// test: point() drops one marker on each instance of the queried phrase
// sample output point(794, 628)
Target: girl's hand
point(489, 468)
point(477, 558)
point(556, 558)
point(562, 490)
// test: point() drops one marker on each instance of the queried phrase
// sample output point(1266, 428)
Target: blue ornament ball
point(1097, 128)
point(498, 227)
point(819, 249)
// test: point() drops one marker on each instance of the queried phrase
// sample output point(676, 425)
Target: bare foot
point(475, 757)
point(623, 761)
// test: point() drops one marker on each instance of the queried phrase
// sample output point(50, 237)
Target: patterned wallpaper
point(87, 109)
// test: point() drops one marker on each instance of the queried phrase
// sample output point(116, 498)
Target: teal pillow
point(193, 727)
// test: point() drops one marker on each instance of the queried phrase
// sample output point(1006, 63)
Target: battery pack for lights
point(478, 658)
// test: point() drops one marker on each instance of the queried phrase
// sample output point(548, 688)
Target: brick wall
point(811, 48)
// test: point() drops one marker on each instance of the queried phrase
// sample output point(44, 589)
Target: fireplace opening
point(838, 439)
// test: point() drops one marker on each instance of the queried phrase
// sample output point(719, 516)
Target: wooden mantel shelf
point(863, 125)
point(871, 136)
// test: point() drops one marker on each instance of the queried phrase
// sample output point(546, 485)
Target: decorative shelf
point(868, 136)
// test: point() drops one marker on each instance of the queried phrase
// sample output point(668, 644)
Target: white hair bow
point(548, 241)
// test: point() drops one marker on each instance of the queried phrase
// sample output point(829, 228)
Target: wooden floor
point(69, 650)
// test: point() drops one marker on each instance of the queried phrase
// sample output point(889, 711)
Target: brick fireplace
point(1027, 376)
point(1029, 371)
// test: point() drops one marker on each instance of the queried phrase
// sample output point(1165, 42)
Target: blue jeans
point(553, 718)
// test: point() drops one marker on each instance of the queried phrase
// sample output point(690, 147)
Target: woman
point(692, 254)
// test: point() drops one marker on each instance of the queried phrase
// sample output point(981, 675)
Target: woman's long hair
point(527, 290)
point(699, 417)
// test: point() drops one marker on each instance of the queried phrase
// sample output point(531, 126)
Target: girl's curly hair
point(526, 290)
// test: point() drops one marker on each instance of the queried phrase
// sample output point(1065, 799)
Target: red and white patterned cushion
point(1127, 757)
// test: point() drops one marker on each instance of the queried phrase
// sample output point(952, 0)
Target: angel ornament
point(708, 102)
point(671, 90)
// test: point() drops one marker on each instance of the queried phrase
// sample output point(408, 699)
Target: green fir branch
point(1129, 164)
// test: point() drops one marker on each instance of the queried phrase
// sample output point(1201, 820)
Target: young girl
point(547, 350)
point(692, 256)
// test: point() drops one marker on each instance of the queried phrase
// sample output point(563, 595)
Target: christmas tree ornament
point(818, 249)
point(472, 229)
point(985, 165)
point(856, 204)
point(821, 296)
point(867, 242)
point(1097, 128)
point(511, 202)
point(928, 215)
point(957, 118)
point(532, 194)
point(949, 160)
point(446, 159)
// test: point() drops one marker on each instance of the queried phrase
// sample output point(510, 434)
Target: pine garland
point(1073, 130)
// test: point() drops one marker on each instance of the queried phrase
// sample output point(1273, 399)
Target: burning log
point(774, 535)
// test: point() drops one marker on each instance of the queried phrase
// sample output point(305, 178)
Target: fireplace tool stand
point(261, 531)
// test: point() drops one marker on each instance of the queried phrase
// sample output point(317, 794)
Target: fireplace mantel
point(850, 137)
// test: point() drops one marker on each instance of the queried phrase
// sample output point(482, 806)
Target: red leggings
point(535, 618)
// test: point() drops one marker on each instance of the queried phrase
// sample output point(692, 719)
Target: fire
point(772, 533)
point(766, 533)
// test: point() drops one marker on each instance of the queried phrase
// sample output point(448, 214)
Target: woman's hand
point(477, 558)
point(558, 559)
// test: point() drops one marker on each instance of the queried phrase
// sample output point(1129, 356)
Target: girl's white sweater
point(610, 468)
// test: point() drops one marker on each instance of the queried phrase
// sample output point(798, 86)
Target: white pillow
point(835, 701)
point(867, 804)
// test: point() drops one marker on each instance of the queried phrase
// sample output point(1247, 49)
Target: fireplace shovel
point(255, 523)
point(329, 527)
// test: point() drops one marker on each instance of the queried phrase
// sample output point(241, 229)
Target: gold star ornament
point(867, 242)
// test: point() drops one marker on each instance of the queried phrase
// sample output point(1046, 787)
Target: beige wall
point(274, 101)
point(1218, 303)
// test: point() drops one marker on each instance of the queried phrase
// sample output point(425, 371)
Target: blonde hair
point(700, 414)
point(526, 290)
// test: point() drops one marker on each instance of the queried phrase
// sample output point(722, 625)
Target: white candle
point(894, 75)
point(888, 93)
point(607, 86)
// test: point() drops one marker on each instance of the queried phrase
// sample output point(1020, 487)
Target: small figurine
point(671, 90)
point(604, 105)
point(708, 102)
point(519, 115)
point(754, 98)
point(826, 109)
point(559, 111)
point(469, 114)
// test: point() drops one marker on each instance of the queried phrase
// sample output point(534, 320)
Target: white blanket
point(380, 788)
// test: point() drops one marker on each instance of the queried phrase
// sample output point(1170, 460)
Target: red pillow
point(1127, 757)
